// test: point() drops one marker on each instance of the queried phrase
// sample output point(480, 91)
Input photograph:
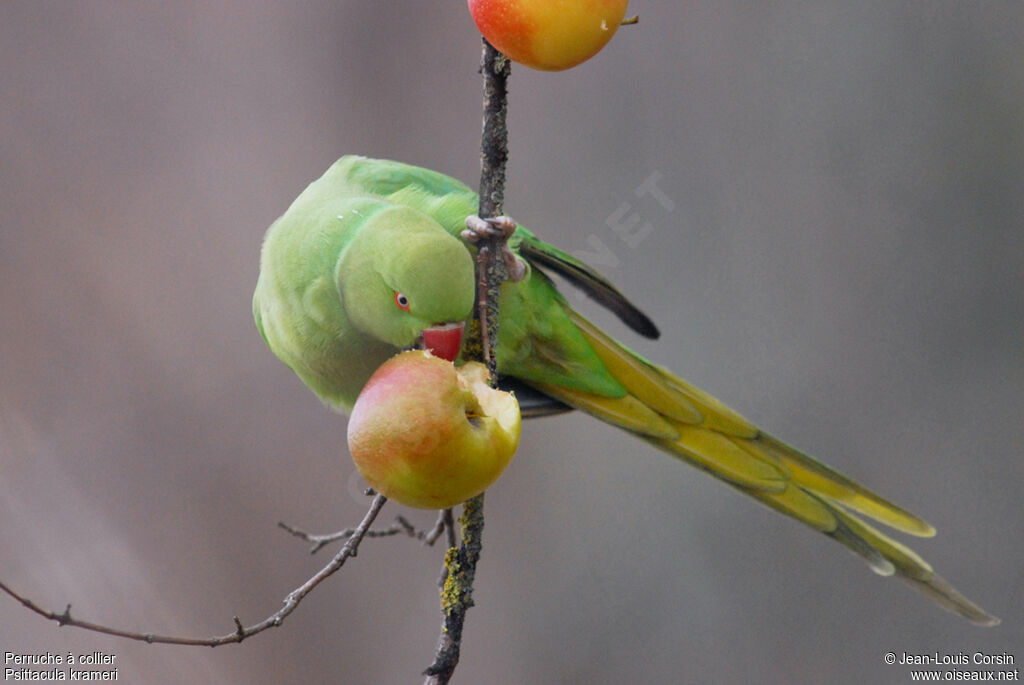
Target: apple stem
point(629, 21)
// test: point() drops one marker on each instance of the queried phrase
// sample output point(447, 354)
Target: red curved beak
point(444, 340)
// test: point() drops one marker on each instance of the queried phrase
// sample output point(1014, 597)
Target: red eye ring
point(402, 301)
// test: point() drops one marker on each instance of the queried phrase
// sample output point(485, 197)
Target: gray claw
point(476, 229)
point(497, 227)
point(501, 227)
point(514, 265)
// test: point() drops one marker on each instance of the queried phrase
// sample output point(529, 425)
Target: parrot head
point(404, 280)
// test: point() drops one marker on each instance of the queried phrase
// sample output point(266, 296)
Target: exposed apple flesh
point(428, 435)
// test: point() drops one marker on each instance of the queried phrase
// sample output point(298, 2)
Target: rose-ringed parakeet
point(371, 259)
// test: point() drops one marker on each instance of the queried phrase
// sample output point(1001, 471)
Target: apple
point(430, 436)
point(550, 35)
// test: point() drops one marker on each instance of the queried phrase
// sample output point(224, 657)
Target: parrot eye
point(402, 301)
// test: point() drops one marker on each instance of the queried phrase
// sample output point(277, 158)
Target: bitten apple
point(428, 435)
point(550, 35)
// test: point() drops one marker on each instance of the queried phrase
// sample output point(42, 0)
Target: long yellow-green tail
point(694, 427)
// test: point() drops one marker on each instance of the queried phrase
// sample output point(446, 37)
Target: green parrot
point(373, 258)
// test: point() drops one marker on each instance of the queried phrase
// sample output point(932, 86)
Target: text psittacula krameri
point(369, 260)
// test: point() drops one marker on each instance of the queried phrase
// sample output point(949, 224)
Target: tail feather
point(625, 412)
point(710, 413)
point(825, 481)
point(845, 535)
point(696, 428)
point(642, 380)
point(950, 599)
point(722, 457)
point(918, 572)
point(801, 505)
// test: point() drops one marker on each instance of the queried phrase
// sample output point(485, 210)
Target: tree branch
point(457, 591)
point(401, 525)
point(490, 268)
point(460, 563)
point(349, 549)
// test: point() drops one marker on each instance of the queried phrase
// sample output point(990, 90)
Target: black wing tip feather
point(595, 287)
point(617, 304)
point(643, 325)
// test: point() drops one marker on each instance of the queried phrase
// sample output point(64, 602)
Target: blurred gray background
point(840, 257)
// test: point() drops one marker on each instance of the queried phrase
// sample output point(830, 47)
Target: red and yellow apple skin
point(549, 35)
point(430, 436)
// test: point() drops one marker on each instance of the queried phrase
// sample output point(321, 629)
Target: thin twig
point(449, 522)
point(401, 525)
point(444, 522)
point(349, 549)
point(483, 300)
